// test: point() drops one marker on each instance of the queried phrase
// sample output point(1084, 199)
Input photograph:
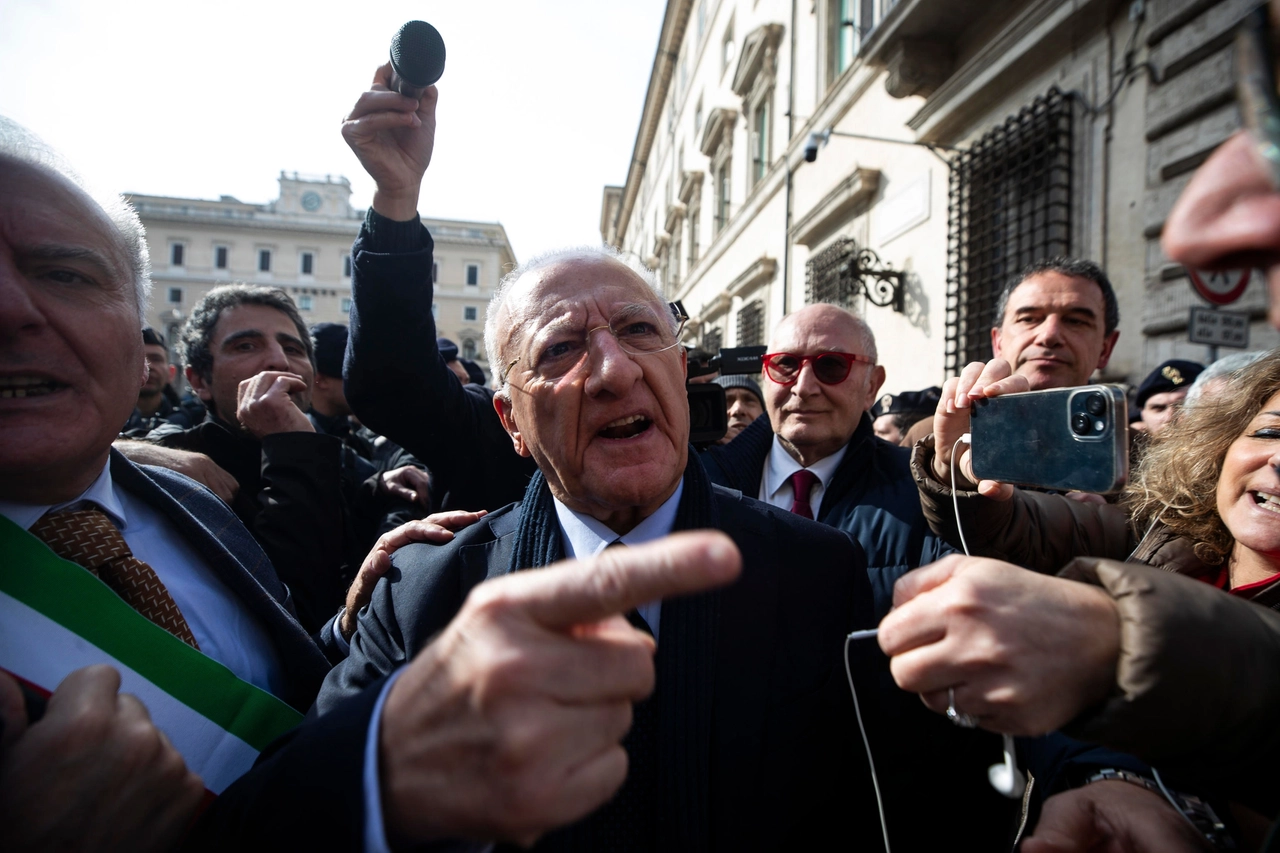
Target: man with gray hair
point(115, 576)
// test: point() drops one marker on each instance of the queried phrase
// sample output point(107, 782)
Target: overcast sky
point(539, 102)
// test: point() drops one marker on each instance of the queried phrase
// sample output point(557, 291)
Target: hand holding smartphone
point(1064, 439)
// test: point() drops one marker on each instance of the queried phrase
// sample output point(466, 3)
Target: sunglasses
point(829, 368)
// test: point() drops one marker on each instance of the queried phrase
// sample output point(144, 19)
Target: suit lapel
point(256, 585)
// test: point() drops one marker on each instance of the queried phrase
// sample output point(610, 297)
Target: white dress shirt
point(775, 482)
point(585, 536)
point(220, 622)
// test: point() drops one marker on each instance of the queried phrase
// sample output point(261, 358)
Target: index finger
point(576, 592)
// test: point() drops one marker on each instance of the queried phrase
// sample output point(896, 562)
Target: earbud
point(1006, 778)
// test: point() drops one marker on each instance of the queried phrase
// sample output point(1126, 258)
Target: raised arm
point(396, 381)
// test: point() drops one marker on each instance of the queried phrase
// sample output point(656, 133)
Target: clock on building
point(311, 201)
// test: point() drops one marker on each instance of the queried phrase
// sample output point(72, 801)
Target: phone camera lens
point(1095, 404)
point(1081, 424)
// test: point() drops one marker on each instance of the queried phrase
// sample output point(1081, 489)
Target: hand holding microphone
point(417, 59)
point(392, 126)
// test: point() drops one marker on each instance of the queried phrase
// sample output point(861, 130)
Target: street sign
point(1221, 287)
point(1219, 328)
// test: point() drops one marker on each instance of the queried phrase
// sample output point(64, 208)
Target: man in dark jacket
point(820, 378)
point(399, 382)
point(249, 358)
point(157, 403)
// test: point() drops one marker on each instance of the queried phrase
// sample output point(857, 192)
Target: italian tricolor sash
point(55, 617)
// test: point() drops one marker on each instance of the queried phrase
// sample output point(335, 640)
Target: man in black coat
point(820, 379)
point(301, 492)
point(750, 736)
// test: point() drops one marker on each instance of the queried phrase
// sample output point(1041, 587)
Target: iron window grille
point(751, 324)
point(842, 272)
point(1009, 205)
point(711, 340)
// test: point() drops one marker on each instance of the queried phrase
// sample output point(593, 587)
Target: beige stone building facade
point(904, 158)
point(301, 243)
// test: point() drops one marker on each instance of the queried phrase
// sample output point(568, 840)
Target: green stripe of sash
point(84, 605)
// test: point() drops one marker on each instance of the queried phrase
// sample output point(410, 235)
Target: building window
point(469, 313)
point(177, 254)
point(751, 324)
point(727, 48)
point(724, 193)
point(717, 143)
point(712, 340)
point(759, 141)
point(346, 266)
point(175, 296)
point(264, 260)
point(306, 263)
point(842, 34)
point(468, 348)
point(473, 275)
point(220, 257)
point(829, 276)
point(754, 82)
point(346, 305)
point(695, 221)
point(304, 303)
point(674, 259)
point(435, 273)
point(1009, 204)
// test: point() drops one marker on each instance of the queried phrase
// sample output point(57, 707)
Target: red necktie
point(87, 538)
point(802, 483)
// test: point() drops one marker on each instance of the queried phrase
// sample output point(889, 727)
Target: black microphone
point(417, 58)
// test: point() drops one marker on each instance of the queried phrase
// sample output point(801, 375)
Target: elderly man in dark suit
point(94, 771)
point(748, 737)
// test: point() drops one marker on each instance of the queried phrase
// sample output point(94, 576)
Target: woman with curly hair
point(1213, 478)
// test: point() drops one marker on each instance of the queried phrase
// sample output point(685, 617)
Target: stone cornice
point(827, 215)
point(675, 213)
point(757, 48)
point(690, 182)
point(719, 125)
point(761, 270)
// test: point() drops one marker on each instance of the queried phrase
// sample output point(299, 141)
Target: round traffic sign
point(1221, 287)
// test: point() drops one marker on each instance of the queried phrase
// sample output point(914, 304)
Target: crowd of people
point(529, 612)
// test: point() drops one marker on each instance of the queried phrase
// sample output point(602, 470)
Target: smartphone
point(1064, 439)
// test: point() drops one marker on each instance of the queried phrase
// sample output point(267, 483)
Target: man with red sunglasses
point(816, 453)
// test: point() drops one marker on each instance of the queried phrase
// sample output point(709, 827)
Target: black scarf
point(686, 674)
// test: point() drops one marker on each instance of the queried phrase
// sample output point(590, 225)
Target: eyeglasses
point(829, 368)
point(1256, 87)
point(639, 329)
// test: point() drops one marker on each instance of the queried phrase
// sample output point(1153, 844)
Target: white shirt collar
point(585, 536)
point(102, 494)
point(781, 465)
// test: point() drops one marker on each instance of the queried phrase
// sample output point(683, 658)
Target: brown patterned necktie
point(87, 538)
